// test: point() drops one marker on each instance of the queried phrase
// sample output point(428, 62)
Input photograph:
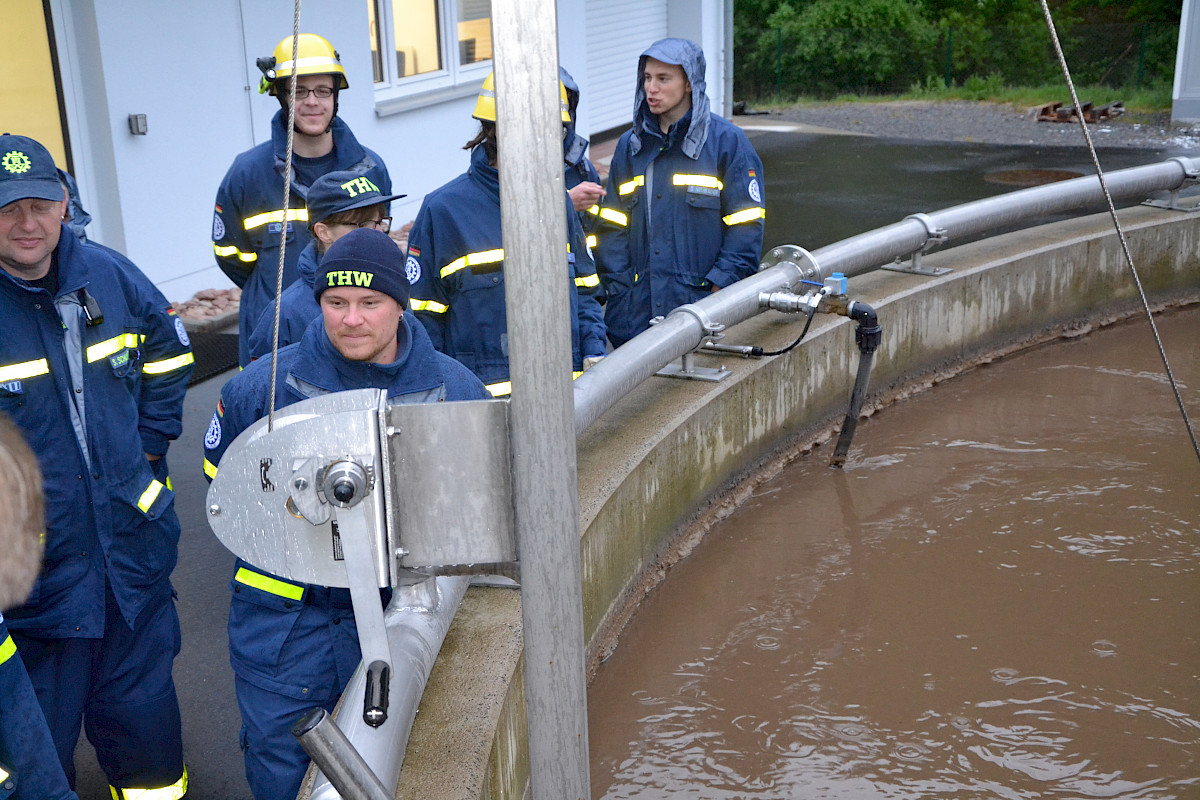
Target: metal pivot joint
point(712, 334)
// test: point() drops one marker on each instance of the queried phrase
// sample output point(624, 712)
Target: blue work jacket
point(27, 755)
point(297, 308)
point(456, 267)
point(684, 209)
point(249, 216)
point(92, 397)
point(310, 368)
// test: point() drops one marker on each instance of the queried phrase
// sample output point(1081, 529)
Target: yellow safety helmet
point(314, 56)
point(485, 104)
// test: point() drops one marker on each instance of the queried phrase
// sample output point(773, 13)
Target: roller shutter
point(618, 31)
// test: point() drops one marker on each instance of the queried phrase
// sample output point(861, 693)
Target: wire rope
point(1112, 210)
point(287, 194)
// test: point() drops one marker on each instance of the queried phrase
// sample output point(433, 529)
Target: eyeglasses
point(322, 92)
point(384, 224)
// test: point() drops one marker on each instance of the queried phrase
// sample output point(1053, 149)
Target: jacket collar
point(319, 364)
point(484, 173)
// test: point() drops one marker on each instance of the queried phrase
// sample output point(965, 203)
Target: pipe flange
point(796, 257)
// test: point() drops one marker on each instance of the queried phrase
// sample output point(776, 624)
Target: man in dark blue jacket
point(684, 198)
point(93, 370)
point(456, 266)
point(294, 646)
point(338, 203)
point(249, 218)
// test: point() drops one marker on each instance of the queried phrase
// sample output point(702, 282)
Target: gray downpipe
point(417, 620)
point(683, 330)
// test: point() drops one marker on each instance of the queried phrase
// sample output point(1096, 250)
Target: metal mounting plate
point(450, 466)
point(248, 498)
point(693, 373)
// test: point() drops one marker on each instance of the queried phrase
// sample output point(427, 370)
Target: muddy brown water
point(997, 598)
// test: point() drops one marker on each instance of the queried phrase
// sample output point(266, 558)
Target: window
point(427, 50)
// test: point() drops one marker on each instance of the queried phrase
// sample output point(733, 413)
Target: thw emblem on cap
point(17, 162)
point(350, 277)
point(360, 186)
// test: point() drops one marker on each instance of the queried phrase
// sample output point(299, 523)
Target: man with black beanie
point(294, 646)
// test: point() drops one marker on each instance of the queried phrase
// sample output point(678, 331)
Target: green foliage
point(818, 48)
point(853, 45)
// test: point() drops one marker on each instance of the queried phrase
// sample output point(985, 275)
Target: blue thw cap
point(364, 258)
point(26, 171)
point(335, 192)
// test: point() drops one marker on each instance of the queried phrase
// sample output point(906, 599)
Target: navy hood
point(687, 54)
point(574, 145)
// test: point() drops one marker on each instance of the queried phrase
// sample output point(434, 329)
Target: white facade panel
point(190, 69)
point(617, 33)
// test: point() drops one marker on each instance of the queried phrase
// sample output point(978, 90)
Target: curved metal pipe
point(601, 387)
point(416, 620)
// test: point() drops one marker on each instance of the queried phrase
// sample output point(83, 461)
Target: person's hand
point(591, 361)
point(586, 195)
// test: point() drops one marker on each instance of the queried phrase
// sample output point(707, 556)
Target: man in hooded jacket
point(684, 202)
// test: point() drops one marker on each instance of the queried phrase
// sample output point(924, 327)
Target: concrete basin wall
point(674, 456)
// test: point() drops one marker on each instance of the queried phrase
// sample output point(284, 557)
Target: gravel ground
point(965, 121)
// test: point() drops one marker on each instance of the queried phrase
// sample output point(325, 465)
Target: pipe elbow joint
point(868, 334)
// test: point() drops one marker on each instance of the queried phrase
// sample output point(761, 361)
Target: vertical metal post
point(532, 199)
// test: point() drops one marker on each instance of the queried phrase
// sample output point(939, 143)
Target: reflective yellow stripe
point(498, 389)
point(615, 217)
point(745, 215)
point(173, 792)
point(4, 774)
point(427, 305)
point(109, 346)
point(210, 469)
point(250, 223)
point(168, 364)
point(587, 281)
point(473, 260)
point(225, 252)
point(575, 374)
point(149, 496)
point(594, 211)
point(169, 486)
point(26, 369)
point(268, 584)
point(7, 649)
point(591, 240)
point(631, 184)
point(707, 181)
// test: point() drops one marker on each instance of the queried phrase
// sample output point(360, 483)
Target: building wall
point(189, 67)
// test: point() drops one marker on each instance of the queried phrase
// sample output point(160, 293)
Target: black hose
point(867, 336)
point(812, 310)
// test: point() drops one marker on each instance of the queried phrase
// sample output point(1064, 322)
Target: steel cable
point(1087, 135)
point(287, 194)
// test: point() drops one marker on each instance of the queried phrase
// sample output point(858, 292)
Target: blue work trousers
point(119, 689)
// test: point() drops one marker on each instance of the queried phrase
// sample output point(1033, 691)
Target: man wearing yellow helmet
point(249, 220)
point(456, 265)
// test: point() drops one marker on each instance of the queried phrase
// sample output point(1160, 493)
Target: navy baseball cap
point(26, 171)
point(335, 192)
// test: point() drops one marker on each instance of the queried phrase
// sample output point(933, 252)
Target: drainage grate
point(215, 353)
